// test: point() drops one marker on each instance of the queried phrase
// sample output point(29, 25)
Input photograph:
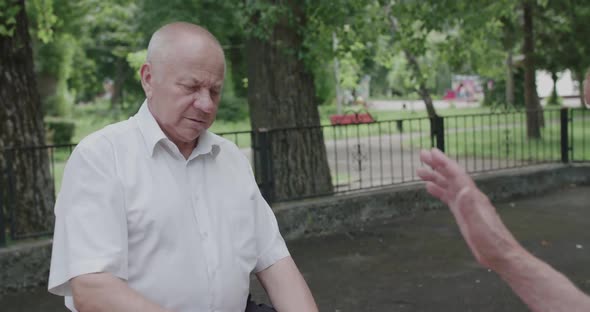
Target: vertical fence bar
point(498, 148)
point(411, 150)
point(544, 136)
point(446, 134)
point(358, 154)
point(262, 159)
point(335, 139)
point(347, 157)
point(490, 130)
point(564, 135)
point(380, 153)
point(572, 134)
point(513, 130)
point(465, 153)
point(474, 143)
point(536, 147)
point(391, 153)
point(522, 140)
point(370, 155)
point(438, 124)
point(583, 154)
point(457, 139)
point(401, 144)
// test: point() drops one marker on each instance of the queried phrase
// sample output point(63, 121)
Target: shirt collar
point(208, 144)
point(152, 134)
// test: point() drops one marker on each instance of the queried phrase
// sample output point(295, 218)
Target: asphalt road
point(420, 263)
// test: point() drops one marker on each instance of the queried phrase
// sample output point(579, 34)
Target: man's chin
point(193, 135)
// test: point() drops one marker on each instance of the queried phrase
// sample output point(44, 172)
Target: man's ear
point(146, 79)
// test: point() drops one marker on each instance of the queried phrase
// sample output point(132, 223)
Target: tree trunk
point(28, 186)
point(553, 98)
point(281, 95)
point(339, 97)
point(414, 66)
point(237, 59)
point(530, 90)
point(118, 82)
point(509, 80)
point(422, 89)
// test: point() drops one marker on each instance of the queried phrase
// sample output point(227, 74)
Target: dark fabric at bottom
point(253, 307)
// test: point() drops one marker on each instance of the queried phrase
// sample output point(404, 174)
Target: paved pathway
point(420, 263)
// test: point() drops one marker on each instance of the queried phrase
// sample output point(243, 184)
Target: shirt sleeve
point(90, 221)
point(270, 242)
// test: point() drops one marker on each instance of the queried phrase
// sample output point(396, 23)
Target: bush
point(60, 131)
point(498, 94)
point(554, 99)
point(232, 108)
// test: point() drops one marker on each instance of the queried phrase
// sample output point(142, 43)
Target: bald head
point(183, 79)
point(177, 37)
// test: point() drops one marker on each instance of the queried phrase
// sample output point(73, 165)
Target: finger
point(429, 175)
point(426, 157)
point(444, 165)
point(436, 191)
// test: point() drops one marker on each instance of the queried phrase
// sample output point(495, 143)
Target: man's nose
point(203, 102)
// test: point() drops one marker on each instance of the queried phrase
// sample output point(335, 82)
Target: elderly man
point(158, 214)
point(536, 283)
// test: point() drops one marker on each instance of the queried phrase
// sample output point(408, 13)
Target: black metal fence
point(359, 156)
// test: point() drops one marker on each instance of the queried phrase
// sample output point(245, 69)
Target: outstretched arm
point(541, 287)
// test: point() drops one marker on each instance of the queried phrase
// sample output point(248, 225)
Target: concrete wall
point(27, 265)
point(24, 266)
point(336, 213)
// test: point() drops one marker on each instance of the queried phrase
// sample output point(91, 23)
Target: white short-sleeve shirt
point(186, 234)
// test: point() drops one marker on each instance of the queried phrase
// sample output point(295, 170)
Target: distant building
point(566, 85)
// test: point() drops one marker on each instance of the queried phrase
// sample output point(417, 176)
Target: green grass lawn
point(510, 141)
point(92, 117)
point(499, 135)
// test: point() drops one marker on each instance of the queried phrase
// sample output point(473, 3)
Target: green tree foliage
point(99, 38)
point(562, 39)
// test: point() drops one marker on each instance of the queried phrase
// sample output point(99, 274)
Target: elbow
point(86, 293)
point(83, 305)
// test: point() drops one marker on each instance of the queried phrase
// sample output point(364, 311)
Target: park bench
point(351, 118)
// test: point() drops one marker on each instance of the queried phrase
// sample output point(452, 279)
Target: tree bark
point(530, 90)
point(117, 95)
point(28, 186)
point(509, 80)
point(414, 66)
point(281, 95)
point(237, 59)
point(422, 88)
point(553, 100)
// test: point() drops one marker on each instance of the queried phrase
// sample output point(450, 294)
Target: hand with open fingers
point(489, 240)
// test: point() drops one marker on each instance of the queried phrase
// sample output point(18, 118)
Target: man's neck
point(186, 148)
